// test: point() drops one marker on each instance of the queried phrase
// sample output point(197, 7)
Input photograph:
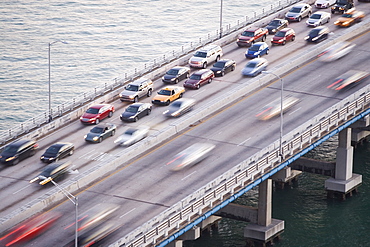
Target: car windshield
point(219, 65)
point(133, 88)
point(164, 92)
point(176, 104)
point(52, 150)
point(10, 149)
point(248, 33)
point(97, 130)
point(130, 132)
point(172, 72)
point(132, 109)
point(254, 48)
point(274, 23)
point(195, 77)
point(280, 34)
point(342, 2)
point(314, 32)
point(347, 15)
point(200, 54)
point(315, 16)
point(295, 10)
point(92, 111)
point(251, 65)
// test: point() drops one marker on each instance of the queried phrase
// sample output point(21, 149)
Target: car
point(276, 25)
point(206, 55)
point(168, 94)
point(132, 135)
point(298, 12)
point(199, 78)
point(336, 51)
point(52, 171)
point(274, 108)
point(323, 4)
point(57, 151)
point(252, 35)
point(137, 89)
point(96, 216)
point(136, 111)
point(17, 151)
point(223, 66)
point(317, 34)
point(176, 74)
point(348, 78)
point(342, 6)
point(349, 18)
point(282, 36)
point(101, 132)
point(96, 113)
point(318, 18)
point(257, 50)
point(179, 107)
point(190, 156)
point(255, 67)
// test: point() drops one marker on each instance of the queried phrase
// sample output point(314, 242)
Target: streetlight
point(281, 112)
point(50, 44)
point(72, 198)
point(221, 20)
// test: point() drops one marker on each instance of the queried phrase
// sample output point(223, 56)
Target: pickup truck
point(252, 35)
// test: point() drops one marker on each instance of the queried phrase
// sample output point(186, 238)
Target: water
point(107, 39)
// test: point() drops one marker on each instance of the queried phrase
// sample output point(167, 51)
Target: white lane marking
point(127, 213)
point(21, 189)
point(295, 111)
point(199, 92)
point(244, 141)
point(188, 175)
point(88, 154)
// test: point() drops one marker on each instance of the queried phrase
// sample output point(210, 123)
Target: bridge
point(220, 180)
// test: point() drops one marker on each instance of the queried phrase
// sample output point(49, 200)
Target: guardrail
point(154, 70)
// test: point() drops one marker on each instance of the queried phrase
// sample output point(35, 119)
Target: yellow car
point(349, 18)
point(168, 94)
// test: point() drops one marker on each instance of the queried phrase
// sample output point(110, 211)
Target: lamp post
point(72, 198)
point(50, 44)
point(281, 112)
point(221, 19)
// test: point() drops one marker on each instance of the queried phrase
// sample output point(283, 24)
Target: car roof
point(139, 81)
point(258, 60)
point(286, 29)
point(252, 29)
point(98, 106)
point(138, 104)
point(20, 142)
point(300, 5)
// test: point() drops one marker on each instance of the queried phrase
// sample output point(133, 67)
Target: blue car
point(257, 50)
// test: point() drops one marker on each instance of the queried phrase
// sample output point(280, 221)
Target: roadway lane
point(145, 185)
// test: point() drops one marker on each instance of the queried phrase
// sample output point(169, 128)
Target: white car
point(179, 107)
point(132, 135)
point(336, 51)
point(323, 4)
point(318, 18)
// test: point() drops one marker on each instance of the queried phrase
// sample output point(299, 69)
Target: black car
point(342, 6)
point(223, 66)
point(276, 25)
point(135, 111)
point(52, 171)
point(176, 74)
point(17, 151)
point(57, 151)
point(317, 34)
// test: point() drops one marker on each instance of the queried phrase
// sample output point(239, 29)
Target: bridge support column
point(285, 176)
point(345, 182)
point(266, 229)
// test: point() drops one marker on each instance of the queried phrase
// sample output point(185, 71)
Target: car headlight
point(173, 79)
point(306, 38)
point(132, 117)
point(218, 72)
point(10, 158)
point(346, 23)
point(131, 96)
point(96, 138)
point(341, 8)
point(274, 30)
point(85, 136)
point(315, 38)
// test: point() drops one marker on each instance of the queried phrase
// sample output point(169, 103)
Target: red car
point(94, 114)
point(282, 36)
point(199, 78)
point(252, 35)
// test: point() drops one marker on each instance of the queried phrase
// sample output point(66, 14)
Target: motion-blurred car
point(95, 236)
point(349, 18)
point(94, 114)
point(168, 94)
point(17, 151)
point(137, 89)
point(136, 111)
point(223, 66)
point(255, 67)
point(52, 171)
point(276, 25)
point(190, 156)
point(29, 229)
point(179, 107)
point(57, 151)
point(176, 74)
point(323, 4)
point(132, 135)
point(317, 34)
point(257, 50)
point(336, 51)
point(274, 108)
point(298, 12)
point(318, 18)
point(199, 78)
point(252, 35)
point(282, 36)
point(342, 6)
point(348, 78)
point(101, 132)
point(97, 215)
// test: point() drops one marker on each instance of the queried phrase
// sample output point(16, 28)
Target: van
point(205, 56)
point(137, 89)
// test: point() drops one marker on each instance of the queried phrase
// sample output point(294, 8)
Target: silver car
point(318, 18)
point(298, 12)
point(255, 67)
point(179, 107)
point(136, 90)
point(132, 135)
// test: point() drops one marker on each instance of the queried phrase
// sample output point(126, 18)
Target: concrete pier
point(286, 176)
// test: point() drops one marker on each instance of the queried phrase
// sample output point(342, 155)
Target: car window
point(251, 65)
point(172, 72)
point(200, 54)
point(315, 16)
point(280, 34)
point(295, 10)
point(195, 77)
point(92, 111)
point(254, 48)
point(248, 34)
point(133, 88)
point(164, 92)
point(97, 130)
point(132, 109)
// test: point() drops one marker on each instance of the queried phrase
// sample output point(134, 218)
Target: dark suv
point(341, 6)
point(17, 151)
